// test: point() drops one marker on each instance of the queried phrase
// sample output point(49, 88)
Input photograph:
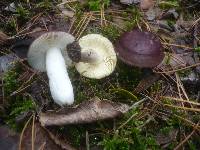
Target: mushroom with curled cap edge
point(47, 53)
point(139, 48)
point(95, 56)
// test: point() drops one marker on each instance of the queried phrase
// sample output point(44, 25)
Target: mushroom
point(143, 49)
point(95, 56)
point(46, 53)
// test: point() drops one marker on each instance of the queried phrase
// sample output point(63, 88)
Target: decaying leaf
point(146, 83)
point(165, 139)
point(172, 61)
point(7, 62)
point(8, 139)
point(68, 13)
point(126, 2)
point(3, 38)
point(146, 4)
point(43, 139)
point(87, 112)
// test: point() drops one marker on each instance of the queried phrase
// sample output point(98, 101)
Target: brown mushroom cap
point(139, 48)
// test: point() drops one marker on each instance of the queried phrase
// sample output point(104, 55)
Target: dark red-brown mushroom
point(140, 48)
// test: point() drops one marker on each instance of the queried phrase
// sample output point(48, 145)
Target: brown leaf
point(7, 62)
point(8, 139)
point(3, 38)
point(146, 83)
point(172, 61)
point(87, 112)
point(68, 13)
point(44, 139)
point(165, 139)
point(126, 2)
point(146, 4)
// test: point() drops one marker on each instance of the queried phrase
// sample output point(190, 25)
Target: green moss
point(115, 142)
point(10, 26)
point(128, 139)
point(22, 13)
point(16, 108)
point(76, 133)
point(10, 80)
point(111, 32)
point(166, 130)
point(191, 145)
point(157, 86)
point(169, 4)
point(95, 5)
point(135, 17)
point(18, 104)
point(45, 4)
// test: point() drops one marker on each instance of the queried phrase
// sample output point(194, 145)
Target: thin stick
point(66, 2)
point(175, 70)
point(21, 88)
point(72, 9)
point(102, 16)
point(22, 133)
point(33, 19)
point(187, 138)
point(87, 140)
point(73, 21)
point(86, 24)
point(33, 134)
point(80, 24)
point(188, 121)
point(181, 100)
point(184, 108)
point(103, 13)
point(176, 45)
point(129, 119)
point(113, 24)
point(3, 92)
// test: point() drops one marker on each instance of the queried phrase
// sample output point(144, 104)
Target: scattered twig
point(33, 134)
point(175, 70)
point(87, 140)
point(22, 133)
point(187, 138)
point(66, 2)
point(181, 100)
point(184, 108)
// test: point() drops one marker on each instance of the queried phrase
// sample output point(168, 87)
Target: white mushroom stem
point(59, 82)
point(90, 57)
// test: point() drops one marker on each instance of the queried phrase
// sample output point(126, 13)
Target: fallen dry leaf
point(68, 13)
point(165, 139)
point(7, 62)
point(8, 139)
point(87, 112)
point(126, 2)
point(3, 38)
point(146, 4)
point(43, 139)
point(172, 61)
point(145, 83)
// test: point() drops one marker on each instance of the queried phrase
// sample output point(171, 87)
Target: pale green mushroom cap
point(107, 59)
